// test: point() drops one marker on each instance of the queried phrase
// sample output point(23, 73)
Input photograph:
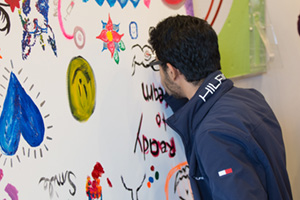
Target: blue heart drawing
point(20, 116)
point(135, 2)
point(123, 3)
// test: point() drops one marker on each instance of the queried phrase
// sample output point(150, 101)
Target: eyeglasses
point(155, 64)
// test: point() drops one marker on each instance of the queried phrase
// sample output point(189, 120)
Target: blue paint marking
point(111, 3)
point(26, 7)
point(133, 30)
point(151, 180)
point(99, 2)
point(43, 7)
point(123, 3)
point(135, 2)
point(20, 116)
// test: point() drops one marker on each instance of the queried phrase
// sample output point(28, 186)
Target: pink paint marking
point(12, 192)
point(147, 3)
point(61, 22)
point(1, 174)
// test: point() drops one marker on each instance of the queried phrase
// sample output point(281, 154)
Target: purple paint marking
point(189, 7)
point(12, 192)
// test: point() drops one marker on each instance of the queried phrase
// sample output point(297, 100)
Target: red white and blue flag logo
point(225, 172)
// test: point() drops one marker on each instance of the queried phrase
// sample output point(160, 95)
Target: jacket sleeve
point(174, 103)
point(228, 163)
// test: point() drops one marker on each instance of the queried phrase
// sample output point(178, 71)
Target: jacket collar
point(192, 113)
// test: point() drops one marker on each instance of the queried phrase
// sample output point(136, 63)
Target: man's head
point(187, 43)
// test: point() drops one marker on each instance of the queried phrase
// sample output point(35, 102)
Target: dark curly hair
point(188, 43)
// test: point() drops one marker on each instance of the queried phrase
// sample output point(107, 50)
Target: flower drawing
point(112, 39)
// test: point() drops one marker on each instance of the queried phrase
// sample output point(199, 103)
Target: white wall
point(280, 84)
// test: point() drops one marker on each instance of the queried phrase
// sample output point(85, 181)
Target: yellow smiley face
point(81, 88)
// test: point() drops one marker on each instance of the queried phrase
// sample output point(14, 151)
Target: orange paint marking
point(170, 174)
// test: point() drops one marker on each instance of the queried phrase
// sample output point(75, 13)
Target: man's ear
point(172, 72)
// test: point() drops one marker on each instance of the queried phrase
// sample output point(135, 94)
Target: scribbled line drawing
point(143, 56)
point(78, 34)
point(61, 180)
point(181, 175)
point(34, 30)
point(93, 188)
point(122, 3)
point(69, 9)
point(134, 192)
point(10, 189)
point(20, 116)
point(112, 39)
point(4, 19)
point(81, 89)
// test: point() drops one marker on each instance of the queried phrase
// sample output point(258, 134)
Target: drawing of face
point(178, 184)
point(183, 189)
point(34, 18)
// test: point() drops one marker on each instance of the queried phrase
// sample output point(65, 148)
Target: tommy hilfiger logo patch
point(225, 172)
point(211, 88)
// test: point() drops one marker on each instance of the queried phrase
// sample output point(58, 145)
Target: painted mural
point(82, 116)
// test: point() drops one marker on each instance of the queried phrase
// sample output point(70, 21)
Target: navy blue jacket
point(233, 143)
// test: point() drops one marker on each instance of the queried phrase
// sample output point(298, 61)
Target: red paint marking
point(209, 10)
point(213, 21)
point(98, 171)
point(152, 168)
point(108, 182)
point(173, 1)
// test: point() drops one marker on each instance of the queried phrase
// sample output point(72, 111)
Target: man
point(233, 141)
